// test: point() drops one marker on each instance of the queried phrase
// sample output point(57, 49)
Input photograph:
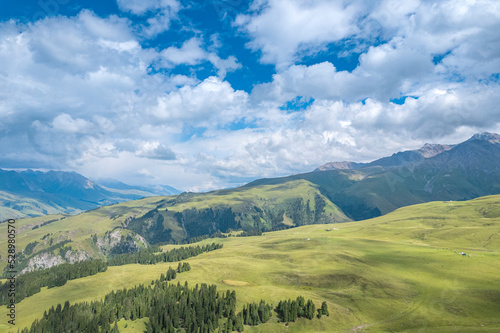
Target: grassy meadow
point(399, 272)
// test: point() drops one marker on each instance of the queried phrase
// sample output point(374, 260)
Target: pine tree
point(310, 309)
point(324, 309)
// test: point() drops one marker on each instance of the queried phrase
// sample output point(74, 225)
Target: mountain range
point(357, 190)
point(34, 193)
point(397, 159)
point(434, 172)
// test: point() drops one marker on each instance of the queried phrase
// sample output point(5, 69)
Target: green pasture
point(399, 272)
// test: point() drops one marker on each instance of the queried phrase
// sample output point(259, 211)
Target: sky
point(211, 94)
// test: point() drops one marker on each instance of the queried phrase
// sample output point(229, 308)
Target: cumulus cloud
point(425, 43)
point(211, 103)
point(155, 150)
point(362, 131)
point(65, 123)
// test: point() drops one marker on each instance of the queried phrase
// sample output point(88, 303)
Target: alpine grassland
point(431, 267)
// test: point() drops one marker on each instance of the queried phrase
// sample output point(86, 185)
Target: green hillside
point(137, 224)
point(399, 272)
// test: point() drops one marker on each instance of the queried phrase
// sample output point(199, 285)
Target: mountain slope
point(114, 185)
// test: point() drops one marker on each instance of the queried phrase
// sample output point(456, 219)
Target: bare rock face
point(46, 260)
point(42, 261)
point(141, 239)
point(76, 256)
point(119, 241)
point(109, 240)
point(430, 150)
point(486, 136)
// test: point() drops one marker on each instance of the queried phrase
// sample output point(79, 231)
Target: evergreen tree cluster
point(148, 257)
point(200, 222)
point(323, 310)
point(169, 307)
point(183, 267)
point(255, 314)
point(169, 276)
point(31, 283)
point(319, 208)
point(151, 226)
point(28, 250)
point(291, 310)
point(354, 208)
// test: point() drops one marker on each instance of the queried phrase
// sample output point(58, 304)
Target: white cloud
point(212, 102)
point(65, 123)
point(192, 53)
point(189, 53)
point(463, 34)
point(138, 7)
point(161, 13)
point(283, 29)
point(155, 150)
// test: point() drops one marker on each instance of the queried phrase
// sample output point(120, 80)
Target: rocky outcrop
point(119, 241)
point(46, 260)
point(42, 261)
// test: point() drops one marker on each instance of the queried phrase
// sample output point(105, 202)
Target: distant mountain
point(397, 159)
point(35, 193)
point(434, 172)
point(116, 186)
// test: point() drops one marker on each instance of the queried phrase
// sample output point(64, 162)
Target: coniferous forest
point(169, 307)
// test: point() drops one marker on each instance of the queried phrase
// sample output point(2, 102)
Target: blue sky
point(209, 94)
